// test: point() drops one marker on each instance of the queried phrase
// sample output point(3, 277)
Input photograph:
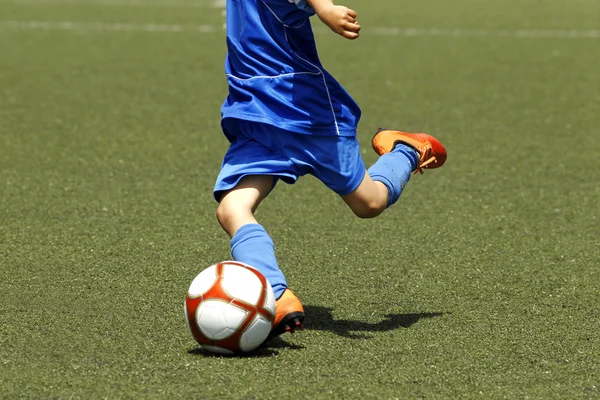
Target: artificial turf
point(482, 282)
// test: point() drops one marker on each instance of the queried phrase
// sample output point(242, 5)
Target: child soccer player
point(286, 116)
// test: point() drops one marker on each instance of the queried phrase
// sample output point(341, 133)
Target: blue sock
point(393, 170)
point(252, 245)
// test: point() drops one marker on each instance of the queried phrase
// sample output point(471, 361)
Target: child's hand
point(339, 19)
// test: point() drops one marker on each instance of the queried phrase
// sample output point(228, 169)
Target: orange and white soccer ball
point(229, 308)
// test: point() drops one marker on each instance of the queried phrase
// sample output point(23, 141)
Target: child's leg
point(401, 153)
point(250, 243)
point(383, 182)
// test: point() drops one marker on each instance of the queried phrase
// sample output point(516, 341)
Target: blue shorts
point(262, 149)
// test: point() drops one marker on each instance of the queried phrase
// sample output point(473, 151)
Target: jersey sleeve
point(303, 5)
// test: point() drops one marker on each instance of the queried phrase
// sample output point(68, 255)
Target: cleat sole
point(290, 323)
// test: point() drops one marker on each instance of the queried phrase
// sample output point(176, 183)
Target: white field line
point(125, 3)
point(380, 31)
point(105, 26)
point(517, 33)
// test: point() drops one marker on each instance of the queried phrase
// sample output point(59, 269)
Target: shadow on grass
point(268, 349)
point(321, 318)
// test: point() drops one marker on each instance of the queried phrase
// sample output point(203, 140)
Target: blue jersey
point(274, 72)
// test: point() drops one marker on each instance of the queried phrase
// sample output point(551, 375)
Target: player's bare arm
point(340, 19)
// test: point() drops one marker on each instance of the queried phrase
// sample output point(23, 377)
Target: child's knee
point(230, 212)
point(225, 212)
point(368, 209)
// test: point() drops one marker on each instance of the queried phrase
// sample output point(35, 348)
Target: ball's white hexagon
point(203, 282)
point(270, 299)
point(234, 316)
point(241, 283)
point(255, 334)
point(217, 319)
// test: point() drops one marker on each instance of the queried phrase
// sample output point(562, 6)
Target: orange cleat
point(432, 153)
point(289, 314)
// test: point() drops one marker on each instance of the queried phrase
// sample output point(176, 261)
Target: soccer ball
point(229, 308)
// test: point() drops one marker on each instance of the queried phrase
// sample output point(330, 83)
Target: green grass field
point(482, 282)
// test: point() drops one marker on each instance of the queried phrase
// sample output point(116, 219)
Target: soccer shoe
point(432, 153)
point(289, 314)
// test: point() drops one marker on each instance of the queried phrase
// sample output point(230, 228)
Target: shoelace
point(425, 157)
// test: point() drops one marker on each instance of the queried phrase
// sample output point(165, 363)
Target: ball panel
point(255, 334)
point(191, 308)
point(241, 283)
point(217, 291)
point(218, 319)
point(270, 299)
point(235, 316)
point(203, 282)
